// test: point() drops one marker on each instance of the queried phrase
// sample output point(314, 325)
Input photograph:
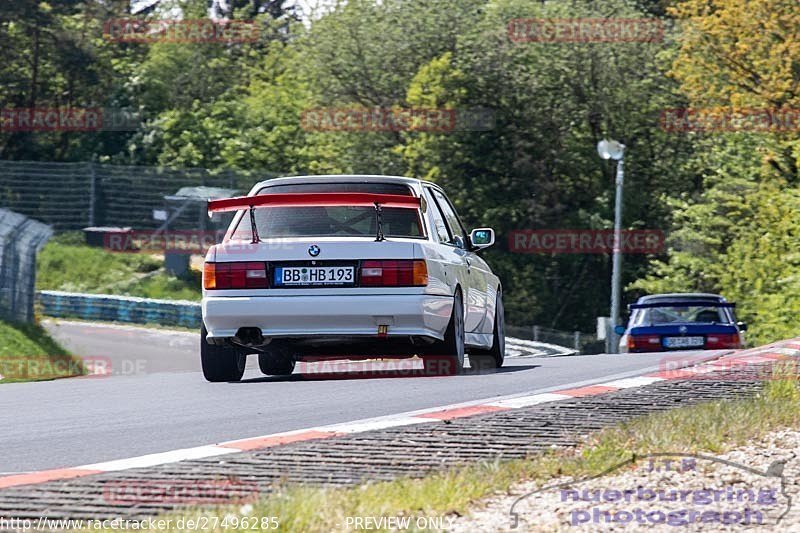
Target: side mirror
point(620, 330)
point(481, 238)
point(742, 326)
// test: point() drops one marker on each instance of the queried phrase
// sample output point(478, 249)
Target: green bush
point(66, 263)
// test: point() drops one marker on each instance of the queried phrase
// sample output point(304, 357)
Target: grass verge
point(28, 353)
point(710, 427)
point(66, 263)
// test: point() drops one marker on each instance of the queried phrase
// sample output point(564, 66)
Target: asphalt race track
point(155, 399)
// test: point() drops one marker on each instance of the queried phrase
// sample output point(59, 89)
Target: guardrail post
point(577, 337)
point(536, 333)
point(92, 193)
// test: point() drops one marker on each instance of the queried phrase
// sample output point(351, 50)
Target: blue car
point(694, 321)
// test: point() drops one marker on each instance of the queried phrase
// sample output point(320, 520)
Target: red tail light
point(719, 341)
point(235, 276)
point(644, 343)
point(394, 273)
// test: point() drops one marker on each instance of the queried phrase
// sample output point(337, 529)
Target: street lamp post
point(615, 150)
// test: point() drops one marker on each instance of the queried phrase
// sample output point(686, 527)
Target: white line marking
point(270, 436)
point(739, 360)
point(705, 368)
point(155, 459)
point(785, 351)
point(525, 401)
point(375, 423)
point(629, 383)
point(756, 359)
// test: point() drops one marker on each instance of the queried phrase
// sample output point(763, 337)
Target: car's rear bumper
point(328, 315)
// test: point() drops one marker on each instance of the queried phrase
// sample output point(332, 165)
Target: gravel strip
point(699, 484)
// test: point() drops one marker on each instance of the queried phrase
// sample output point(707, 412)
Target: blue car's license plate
point(683, 342)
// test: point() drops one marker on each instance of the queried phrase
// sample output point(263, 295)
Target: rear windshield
point(276, 222)
point(700, 313)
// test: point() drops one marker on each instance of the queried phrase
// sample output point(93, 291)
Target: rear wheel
point(220, 363)
point(449, 358)
point(276, 360)
point(493, 357)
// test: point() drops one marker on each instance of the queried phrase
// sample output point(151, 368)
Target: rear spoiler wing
point(306, 199)
point(694, 303)
point(316, 199)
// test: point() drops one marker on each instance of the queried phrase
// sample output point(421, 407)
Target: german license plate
point(314, 276)
point(683, 342)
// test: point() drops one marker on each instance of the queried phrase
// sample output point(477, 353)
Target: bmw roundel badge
point(313, 250)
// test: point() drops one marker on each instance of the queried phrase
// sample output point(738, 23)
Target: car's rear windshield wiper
point(379, 223)
point(256, 239)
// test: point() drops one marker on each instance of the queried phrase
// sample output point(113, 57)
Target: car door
point(475, 289)
point(483, 280)
point(447, 262)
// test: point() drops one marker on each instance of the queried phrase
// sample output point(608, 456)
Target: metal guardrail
point(21, 238)
point(516, 347)
point(585, 343)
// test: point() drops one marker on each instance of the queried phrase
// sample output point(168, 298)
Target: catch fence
point(70, 196)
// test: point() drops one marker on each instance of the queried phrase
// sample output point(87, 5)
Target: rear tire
point(495, 356)
point(220, 363)
point(449, 358)
point(276, 360)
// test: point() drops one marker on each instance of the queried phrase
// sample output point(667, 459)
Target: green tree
point(54, 56)
point(738, 235)
point(537, 168)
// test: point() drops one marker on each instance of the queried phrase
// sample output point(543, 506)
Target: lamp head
point(610, 149)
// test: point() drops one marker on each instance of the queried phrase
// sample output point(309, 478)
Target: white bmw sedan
point(348, 267)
